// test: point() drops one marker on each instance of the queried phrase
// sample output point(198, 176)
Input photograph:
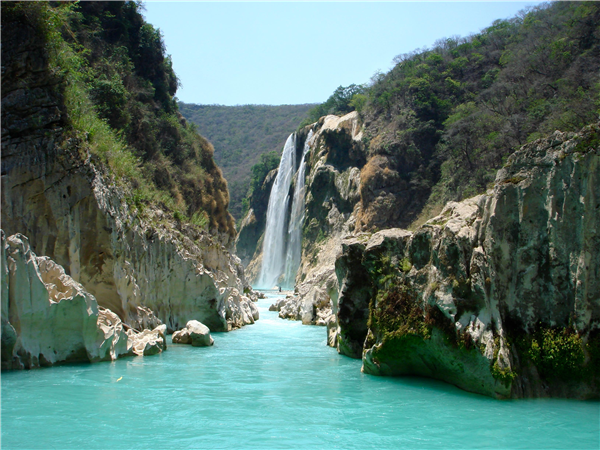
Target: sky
point(275, 53)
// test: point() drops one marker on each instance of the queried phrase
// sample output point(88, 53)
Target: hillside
point(443, 121)
point(240, 134)
point(118, 94)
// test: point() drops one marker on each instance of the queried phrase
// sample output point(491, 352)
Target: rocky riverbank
point(141, 260)
point(497, 295)
point(49, 318)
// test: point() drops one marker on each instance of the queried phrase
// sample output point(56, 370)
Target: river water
point(274, 384)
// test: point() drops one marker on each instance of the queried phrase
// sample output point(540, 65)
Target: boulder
point(182, 337)
point(199, 334)
point(148, 342)
point(195, 333)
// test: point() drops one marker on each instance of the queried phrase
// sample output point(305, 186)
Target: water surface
point(274, 384)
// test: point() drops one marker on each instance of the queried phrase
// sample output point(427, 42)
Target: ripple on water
point(274, 384)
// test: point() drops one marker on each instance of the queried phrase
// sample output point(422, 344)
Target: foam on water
point(274, 384)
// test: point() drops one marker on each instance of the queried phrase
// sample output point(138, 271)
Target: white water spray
point(274, 244)
point(294, 243)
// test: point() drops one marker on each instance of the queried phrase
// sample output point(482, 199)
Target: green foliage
point(592, 141)
point(358, 101)
point(397, 312)
point(557, 353)
point(321, 236)
point(405, 265)
point(448, 116)
point(240, 135)
point(342, 101)
point(505, 375)
point(118, 89)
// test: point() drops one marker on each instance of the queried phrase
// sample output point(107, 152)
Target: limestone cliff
point(500, 294)
point(332, 203)
point(141, 261)
point(48, 318)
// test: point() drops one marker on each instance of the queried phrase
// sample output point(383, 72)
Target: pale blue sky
point(234, 53)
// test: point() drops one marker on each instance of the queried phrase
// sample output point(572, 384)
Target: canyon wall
point(143, 263)
point(500, 293)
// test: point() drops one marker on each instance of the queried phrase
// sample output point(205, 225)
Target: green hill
point(240, 134)
point(444, 120)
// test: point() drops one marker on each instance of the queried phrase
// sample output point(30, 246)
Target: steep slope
point(94, 203)
point(444, 120)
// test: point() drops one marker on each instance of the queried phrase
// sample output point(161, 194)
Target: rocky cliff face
point(48, 318)
point(500, 293)
point(148, 268)
point(332, 204)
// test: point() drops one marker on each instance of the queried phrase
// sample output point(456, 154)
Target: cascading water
point(294, 244)
point(274, 244)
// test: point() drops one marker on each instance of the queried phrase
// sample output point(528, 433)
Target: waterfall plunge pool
point(274, 384)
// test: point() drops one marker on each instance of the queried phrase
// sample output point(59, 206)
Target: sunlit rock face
point(499, 294)
point(145, 268)
point(74, 215)
point(47, 317)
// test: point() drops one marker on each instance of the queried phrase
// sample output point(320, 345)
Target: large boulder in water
point(195, 333)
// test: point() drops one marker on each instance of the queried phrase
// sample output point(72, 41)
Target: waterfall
point(282, 244)
point(294, 244)
point(274, 243)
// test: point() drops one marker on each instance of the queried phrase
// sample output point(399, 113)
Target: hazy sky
point(235, 53)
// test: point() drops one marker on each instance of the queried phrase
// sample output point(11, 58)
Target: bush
point(557, 353)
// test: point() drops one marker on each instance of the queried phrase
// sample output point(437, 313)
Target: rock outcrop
point(195, 333)
point(294, 308)
point(48, 318)
point(499, 294)
point(148, 342)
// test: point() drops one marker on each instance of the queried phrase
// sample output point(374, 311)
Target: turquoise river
point(274, 384)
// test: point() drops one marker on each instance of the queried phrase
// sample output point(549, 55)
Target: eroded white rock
point(50, 318)
point(195, 333)
point(148, 342)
